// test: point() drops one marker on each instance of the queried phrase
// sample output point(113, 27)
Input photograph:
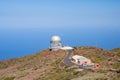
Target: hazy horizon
point(26, 26)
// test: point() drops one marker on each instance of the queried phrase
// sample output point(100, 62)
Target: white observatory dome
point(55, 43)
point(55, 38)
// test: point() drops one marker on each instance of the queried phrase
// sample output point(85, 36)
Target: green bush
point(7, 78)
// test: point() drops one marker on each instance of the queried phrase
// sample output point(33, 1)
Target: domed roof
point(55, 38)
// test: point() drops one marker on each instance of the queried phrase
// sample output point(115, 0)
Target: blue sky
point(27, 25)
point(59, 13)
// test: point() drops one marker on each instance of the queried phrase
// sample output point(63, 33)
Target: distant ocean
point(17, 42)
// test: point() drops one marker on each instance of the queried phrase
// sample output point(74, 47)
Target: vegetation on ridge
point(48, 65)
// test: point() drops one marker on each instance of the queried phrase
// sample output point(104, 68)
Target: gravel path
point(67, 60)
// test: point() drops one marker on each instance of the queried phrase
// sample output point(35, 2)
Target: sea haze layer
point(24, 41)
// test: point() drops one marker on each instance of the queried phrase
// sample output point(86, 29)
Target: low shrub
point(7, 78)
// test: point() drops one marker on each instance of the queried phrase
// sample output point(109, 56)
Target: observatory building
point(55, 43)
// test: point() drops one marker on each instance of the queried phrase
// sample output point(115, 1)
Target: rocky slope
point(48, 65)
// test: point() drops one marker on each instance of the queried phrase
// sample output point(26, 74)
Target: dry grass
point(48, 65)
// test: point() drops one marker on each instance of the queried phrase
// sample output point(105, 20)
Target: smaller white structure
point(80, 60)
point(84, 62)
point(66, 48)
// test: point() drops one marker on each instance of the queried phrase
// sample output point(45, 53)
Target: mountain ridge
point(49, 65)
